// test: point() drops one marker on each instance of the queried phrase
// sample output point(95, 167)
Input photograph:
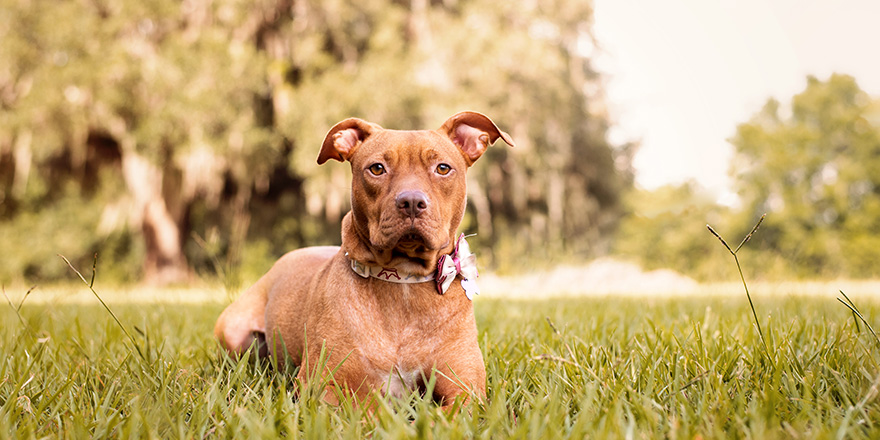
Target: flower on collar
point(460, 262)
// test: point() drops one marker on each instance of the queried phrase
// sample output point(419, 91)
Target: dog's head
point(408, 189)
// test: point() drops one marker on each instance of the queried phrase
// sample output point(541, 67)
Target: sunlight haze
point(682, 74)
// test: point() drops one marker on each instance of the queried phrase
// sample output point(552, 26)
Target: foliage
point(207, 117)
point(817, 173)
point(814, 168)
point(665, 228)
point(65, 226)
point(574, 368)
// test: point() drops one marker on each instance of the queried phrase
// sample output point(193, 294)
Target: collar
point(460, 262)
point(389, 274)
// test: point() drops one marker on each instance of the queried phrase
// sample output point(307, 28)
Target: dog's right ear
point(343, 139)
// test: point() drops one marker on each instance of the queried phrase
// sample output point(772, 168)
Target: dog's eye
point(377, 169)
point(443, 169)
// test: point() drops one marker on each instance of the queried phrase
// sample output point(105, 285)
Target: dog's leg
point(340, 376)
point(463, 376)
point(243, 323)
point(283, 290)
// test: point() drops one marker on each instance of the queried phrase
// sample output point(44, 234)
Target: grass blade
point(749, 236)
point(718, 236)
point(855, 310)
point(743, 278)
point(106, 307)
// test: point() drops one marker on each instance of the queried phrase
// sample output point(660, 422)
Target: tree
point(165, 95)
point(189, 130)
point(559, 191)
point(817, 173)
point(666, 229)
point(524, 64)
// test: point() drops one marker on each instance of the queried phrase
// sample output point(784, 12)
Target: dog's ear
point(473, 132)
point(343, 139)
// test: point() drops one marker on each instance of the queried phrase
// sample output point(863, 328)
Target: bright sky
point(681, 74)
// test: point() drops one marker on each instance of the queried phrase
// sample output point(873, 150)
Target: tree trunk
point(23, 154)
point(483, 208)
point(241, 220)
point(164, 260)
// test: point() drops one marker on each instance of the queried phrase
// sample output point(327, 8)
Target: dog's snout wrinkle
point(412, 203)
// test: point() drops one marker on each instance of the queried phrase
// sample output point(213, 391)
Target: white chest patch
point(400, 383)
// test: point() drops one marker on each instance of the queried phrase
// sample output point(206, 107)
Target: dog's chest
point(405, 343)
point(413, 319)
point(401, 381)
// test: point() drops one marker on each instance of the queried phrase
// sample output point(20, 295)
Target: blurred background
point(177, 139)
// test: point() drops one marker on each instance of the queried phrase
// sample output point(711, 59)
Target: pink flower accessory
point(460, 262)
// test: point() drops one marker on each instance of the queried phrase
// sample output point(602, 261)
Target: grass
point(558, 368)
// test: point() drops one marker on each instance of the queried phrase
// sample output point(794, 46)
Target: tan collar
point(390, 274)
point(460, 263)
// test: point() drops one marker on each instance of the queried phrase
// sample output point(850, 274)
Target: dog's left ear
point(344, 138)
point(473, 132)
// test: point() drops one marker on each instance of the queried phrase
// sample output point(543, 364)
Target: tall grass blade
point(855, 310)
point(752, 305)
point(743, 278)
point(15, 309)
point(94, 271)
point(26, 294)
point(718, 236)
point(106, 307)
point(749, 236)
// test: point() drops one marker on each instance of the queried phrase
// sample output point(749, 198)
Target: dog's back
point(244, 321)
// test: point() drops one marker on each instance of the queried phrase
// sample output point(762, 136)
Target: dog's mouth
point(415, 244)
point(411, 240)
point(414, 248)
point(412, 244)
point(405, 241)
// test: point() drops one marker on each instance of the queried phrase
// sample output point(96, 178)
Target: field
point(605, 366)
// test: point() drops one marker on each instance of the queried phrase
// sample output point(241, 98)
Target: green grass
point(557, 368)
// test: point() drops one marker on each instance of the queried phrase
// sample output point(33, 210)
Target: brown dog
point(386, 315)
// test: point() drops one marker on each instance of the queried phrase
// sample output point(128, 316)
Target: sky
point(681, 74)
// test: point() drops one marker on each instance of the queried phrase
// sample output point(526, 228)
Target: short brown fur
point(382, 336)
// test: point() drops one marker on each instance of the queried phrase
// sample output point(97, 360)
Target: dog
point(391, 307)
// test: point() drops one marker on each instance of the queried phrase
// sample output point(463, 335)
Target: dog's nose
point(412, 203)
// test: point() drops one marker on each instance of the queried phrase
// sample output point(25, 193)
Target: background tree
point(160, 100)
point(816, 169)
point(666, 229)
point(183, 134)
point(813, 166)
